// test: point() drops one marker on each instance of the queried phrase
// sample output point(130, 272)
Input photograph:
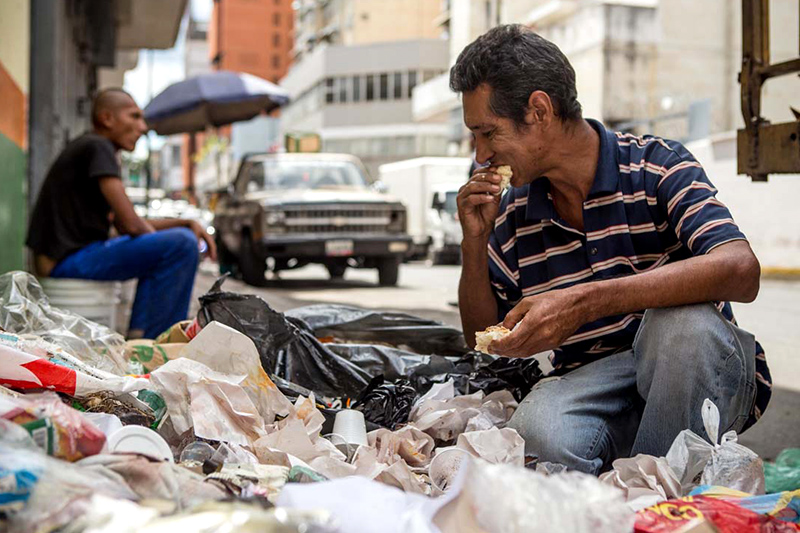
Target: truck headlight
point(275, 218)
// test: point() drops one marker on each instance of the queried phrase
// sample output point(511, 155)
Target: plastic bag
point(724, 463)
point(287, 347)
point(782, 505)
point(401, 330)
point(58, 429)
point(387, 404)
point(726, 517)
point(25, 309)
point(784, 473)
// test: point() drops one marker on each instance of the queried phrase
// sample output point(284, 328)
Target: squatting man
point(609, 249)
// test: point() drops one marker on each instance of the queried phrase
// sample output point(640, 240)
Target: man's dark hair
point(514, 61)
point(109, 99)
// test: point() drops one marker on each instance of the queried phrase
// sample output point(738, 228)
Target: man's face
point(126, 124)
point(499, 141)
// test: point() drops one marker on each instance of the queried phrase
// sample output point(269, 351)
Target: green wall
point(12, 206)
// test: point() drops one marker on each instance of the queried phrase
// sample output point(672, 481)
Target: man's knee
point(181, 242)
point(679, 326)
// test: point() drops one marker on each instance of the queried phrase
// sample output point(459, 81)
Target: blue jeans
point(165, 263)
point(638, 401)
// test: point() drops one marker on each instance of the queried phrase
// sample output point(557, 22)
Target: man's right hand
point(478, 203)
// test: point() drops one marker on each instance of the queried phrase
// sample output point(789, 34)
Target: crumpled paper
point(645, 480)
point(444, 416)
point(292, 438)
point(214, 404)
point(408, 443)
point(496, 446)
point(225, 350)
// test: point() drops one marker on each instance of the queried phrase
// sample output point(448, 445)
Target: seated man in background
point(83, 193)
point(610, 249)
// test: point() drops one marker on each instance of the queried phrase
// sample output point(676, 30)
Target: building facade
point(358, 99)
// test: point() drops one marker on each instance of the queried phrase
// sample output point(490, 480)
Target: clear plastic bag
point(723, 462)
point(25, 309)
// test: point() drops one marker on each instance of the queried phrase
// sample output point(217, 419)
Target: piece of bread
point(485, 337)
point(505, 175)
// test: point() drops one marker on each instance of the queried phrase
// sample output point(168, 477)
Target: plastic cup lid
point(141, 440)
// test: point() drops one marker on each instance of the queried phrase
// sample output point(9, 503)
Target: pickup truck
point(284, 211)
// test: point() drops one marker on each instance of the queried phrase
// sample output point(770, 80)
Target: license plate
point(398, 247)
point(338, 248)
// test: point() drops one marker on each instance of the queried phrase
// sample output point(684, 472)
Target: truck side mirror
point(438, 202)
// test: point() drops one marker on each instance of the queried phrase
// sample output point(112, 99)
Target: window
point(329, 90)
point(398, 85)
point(176, 156)
point(384, 86)
point(343, 90)
point(356, 88)
point(276, 19)
point(276, 40)
point(276, 61)
point(412, 81)
point(370, 87)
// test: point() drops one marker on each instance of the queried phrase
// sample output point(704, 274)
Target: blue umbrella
point(214, 99)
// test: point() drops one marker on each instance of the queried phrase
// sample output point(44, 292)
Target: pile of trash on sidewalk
point(323, 419)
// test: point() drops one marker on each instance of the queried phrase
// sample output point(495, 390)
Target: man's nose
point(483, 154)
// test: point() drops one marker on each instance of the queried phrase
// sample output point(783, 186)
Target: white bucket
point(94, 300)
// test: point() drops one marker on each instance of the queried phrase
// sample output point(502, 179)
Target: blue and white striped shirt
point(651, 204)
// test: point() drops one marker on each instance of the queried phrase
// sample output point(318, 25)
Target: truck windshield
point(273, 174)
point(451, 202)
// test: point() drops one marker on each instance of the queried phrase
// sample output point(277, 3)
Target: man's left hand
point(543, 322)
point(201, 233)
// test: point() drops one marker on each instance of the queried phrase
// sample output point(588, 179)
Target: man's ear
point(105, 118)
point(540, 109)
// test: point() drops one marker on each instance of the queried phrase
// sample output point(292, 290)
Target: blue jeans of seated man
point(638, 401)
point(164, 262)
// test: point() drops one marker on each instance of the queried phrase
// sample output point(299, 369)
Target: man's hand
point(543, 322)
point(201, 233)
point(478, 203)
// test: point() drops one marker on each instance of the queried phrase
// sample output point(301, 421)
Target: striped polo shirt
point(651, 204)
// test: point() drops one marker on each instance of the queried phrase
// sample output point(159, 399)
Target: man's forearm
point(475, 298)
point(729, 273)
point(167, 223)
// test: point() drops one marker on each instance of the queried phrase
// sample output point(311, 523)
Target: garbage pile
point(326, 418)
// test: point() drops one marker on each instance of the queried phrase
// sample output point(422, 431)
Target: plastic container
point(94, 300)
point(445, 465)
point(141, 440)
point(350, 425)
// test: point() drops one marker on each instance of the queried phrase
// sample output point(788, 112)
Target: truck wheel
point(250, 265)
point(388, 270)
point(225, 259)
point(336, 270)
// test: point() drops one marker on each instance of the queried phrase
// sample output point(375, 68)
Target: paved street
point(430, 292)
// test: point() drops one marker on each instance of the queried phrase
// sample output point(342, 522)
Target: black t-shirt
point(71, 211)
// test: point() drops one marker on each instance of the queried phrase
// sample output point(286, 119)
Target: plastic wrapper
point(36, 364)
point(25, 309)
point(287, 347)
point(48, 493)
point(725, 516)
point(723, 462)
point(784, 473)
point(58, 429)
point(387, 404)
point(782, 505)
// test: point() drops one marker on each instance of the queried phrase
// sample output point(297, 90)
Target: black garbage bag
point(367, 326)
point(515, 375)
point(387, 403)
point(287, 347)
